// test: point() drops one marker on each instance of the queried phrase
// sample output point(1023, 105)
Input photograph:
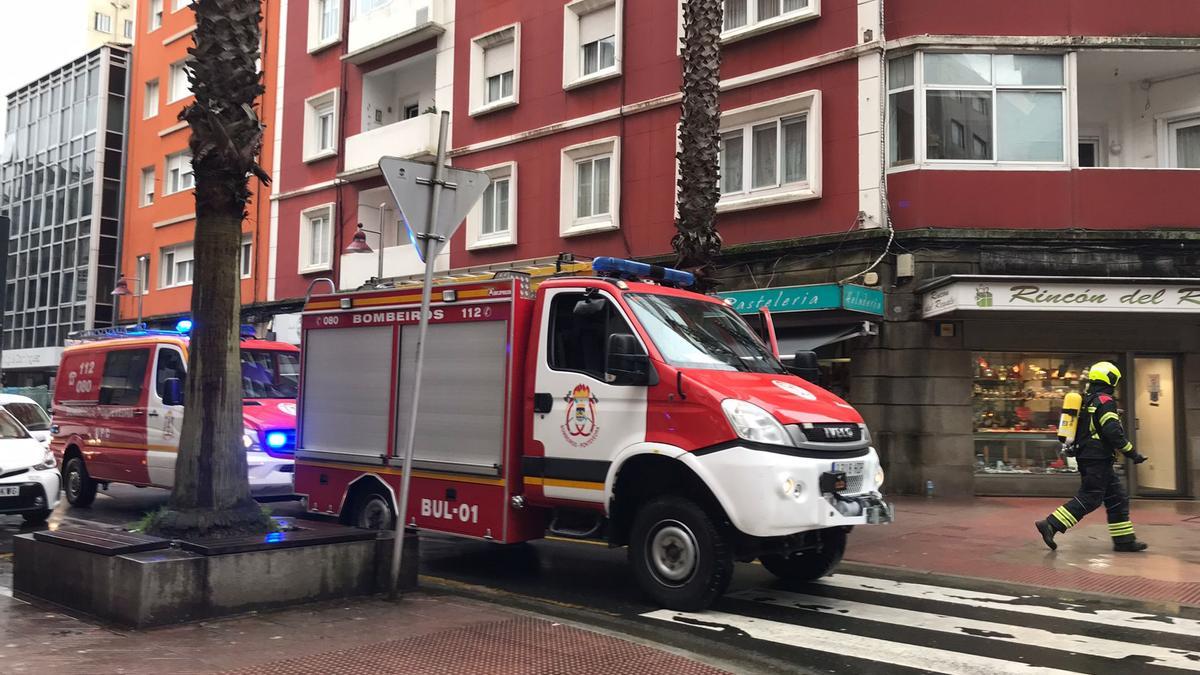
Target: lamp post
point(121, 289)
point(359, 243)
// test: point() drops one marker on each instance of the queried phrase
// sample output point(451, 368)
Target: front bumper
point(37, 491)
point(750, 485)
point(270, 476)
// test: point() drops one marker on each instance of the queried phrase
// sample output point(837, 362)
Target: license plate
point(849, 468)
point(10, 491)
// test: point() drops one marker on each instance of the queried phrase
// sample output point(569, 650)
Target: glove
point(1138, 457)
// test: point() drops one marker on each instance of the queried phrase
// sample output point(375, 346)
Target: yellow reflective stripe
point(1127, 448)
point(1064, 516)
point(1107, 416)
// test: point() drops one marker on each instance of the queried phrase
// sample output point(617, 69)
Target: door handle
point(543, 403)
point(153, 413)
point(139, 413)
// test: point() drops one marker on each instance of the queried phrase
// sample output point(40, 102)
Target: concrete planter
point(168, 583)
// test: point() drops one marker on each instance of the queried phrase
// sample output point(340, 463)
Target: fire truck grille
point(833, 433)
point(854, 484)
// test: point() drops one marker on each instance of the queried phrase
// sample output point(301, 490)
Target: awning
point(808, 338)
point(983, 293)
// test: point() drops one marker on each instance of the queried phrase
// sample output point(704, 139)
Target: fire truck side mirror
point(804, 365)
point(626, 363)
point(172, 391)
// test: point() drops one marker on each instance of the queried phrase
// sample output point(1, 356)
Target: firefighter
point(1099, 438)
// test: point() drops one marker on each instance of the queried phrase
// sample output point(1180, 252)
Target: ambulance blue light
point(635, 270)
point(276, 439)
point(184, 326)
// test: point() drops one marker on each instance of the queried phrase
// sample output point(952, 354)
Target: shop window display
point(1017, 401)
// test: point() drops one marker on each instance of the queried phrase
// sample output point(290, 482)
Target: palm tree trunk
point(697, 241)
point(212, 491)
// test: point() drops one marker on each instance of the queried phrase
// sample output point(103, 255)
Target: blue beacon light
point(276, 439)
point(630, 268)
point(184, 326)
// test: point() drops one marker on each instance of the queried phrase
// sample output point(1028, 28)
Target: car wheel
point(809, 565)
point(681, 555)
point(36, 517)
point(373, 511)
point(79, 486)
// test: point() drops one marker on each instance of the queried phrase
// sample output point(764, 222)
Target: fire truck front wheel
point(372, 510)
point(681, 556)
point(79, 486)
point(812, 564)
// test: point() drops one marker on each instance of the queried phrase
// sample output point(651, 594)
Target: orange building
point(160, 211)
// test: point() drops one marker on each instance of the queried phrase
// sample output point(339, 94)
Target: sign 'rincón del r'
point(1123, 295)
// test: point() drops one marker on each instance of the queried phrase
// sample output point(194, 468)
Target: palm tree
point(212, 492)
point(697, 242)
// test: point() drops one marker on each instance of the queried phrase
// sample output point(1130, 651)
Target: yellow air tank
point(1069, 420)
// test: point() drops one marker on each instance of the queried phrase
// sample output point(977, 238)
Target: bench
point(104, 542)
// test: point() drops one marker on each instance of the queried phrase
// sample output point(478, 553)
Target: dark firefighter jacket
point(1100, 434)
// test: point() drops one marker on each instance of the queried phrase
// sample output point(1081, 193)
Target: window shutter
point(499, 59)
point(598, 24)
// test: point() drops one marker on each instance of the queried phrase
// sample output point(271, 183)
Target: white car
point(29, 413)
point(29, 478)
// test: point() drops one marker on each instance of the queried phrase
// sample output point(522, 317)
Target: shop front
point(821, 318)
point(1028, 341)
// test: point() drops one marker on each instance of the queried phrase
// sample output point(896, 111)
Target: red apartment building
point(160, 209)
point(1012, 189)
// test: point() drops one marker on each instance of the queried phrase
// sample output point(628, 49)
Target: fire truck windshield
point(696, 334)
point(269, 373)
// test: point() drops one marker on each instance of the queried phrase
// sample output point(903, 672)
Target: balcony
point(414, 138)
point(381, 27)
point(399, 257)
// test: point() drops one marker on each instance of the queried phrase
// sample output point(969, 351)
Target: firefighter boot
point(1047, 531)
point(1134, 546)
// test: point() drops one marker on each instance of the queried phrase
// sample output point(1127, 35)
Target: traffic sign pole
point(429, 242)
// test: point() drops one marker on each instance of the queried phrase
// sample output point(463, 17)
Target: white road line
point(1013, 603)
point(988, 630)
point(855, 646)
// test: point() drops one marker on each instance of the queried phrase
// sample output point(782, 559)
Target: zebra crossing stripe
point(854, 646)
point(1012, 603)
point(989, 630)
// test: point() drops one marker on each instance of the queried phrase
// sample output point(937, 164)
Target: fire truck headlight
point(752, 423)
point(250, 440)
point(878, 477)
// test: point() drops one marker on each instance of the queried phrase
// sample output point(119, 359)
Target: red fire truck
point(614, 404)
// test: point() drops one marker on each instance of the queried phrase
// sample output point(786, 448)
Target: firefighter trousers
point(1099, 484)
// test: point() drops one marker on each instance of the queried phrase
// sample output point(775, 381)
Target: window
point(102, 22)
point(170, 366)
point(767, 153)
point(493, 221)
point(412, 110)
point(147, 186)
point(320, 126)
point(1017, 399)
point(590, 187)
point(124, 377)
point(495, 70)
point(176, 266)
point(579, 330)
point(368, 6)
point(143, 273)
point(177, 82)
point(179, 173)
point(316, 239)
point(591, 41)
point(150, 105)
point(245, 257)
point(1089, 152)
point(127, 29)
point(156, 14)
point(748, 17)
point(180, 4)
point(324, 23)
point(1183, 143)
point(978, 108)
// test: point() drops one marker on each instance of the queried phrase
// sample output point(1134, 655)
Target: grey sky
point(35, 38)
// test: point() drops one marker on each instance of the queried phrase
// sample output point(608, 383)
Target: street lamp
point(121, 289)
point(359, 243)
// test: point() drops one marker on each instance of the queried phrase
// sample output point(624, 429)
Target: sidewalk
point(993, 538)
point(424, 633)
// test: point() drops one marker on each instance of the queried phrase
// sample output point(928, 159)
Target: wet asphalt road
point(844, 624)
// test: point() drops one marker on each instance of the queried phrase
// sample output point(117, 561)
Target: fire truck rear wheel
point(809, 565)
point(681, 556)
point(373, 511)
point(79, 486)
